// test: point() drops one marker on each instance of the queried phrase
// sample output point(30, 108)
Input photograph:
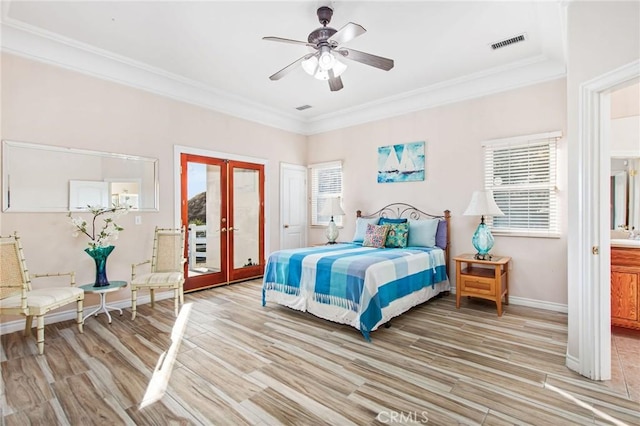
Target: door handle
point(231, 229)
point(223, 230)
point(286, 226)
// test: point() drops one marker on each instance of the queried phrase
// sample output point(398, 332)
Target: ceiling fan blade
point(335, 83)
point(287, 40)
point(284, 71)
point(366, 58)
point(347, 33)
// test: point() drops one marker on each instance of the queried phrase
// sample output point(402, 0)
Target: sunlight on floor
point(585, 405)
point(160, 378)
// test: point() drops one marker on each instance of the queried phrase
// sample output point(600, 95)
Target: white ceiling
point(212, 53)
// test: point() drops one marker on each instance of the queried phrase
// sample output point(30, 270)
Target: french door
point(222, 208)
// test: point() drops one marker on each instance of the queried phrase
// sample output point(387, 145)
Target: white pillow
point(361, 227)
point(422, 233)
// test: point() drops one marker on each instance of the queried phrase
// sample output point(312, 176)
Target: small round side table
point(102, 291)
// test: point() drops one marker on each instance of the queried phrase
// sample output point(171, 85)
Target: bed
point(360, 283)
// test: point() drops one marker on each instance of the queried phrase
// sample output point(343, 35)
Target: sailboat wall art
point(401, 163)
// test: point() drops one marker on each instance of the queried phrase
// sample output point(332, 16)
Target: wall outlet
point(138, 220)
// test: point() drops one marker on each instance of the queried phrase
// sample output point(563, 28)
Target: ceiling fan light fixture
point(326, 60)
point(321, 74)
point(310, 65)
point(338, 68)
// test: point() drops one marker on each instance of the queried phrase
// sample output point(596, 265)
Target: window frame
point(529, 223)
point(314, 205)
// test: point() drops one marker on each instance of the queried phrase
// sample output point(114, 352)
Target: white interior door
point(293, 206)
point(589, 255)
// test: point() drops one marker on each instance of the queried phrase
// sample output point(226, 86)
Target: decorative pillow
point(361, 227)
point(375, 236)
point(423, 232)
point(398, 235)
point(441, 234)
point(385, 220)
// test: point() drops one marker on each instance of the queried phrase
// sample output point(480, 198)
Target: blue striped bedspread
point(362, 279)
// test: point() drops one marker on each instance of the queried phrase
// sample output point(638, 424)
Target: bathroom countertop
point(619, 242)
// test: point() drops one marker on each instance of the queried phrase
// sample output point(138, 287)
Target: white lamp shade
point(310, 65)
point(338, 68)
point(332, 207)
point(326, 60)
point(483, 204)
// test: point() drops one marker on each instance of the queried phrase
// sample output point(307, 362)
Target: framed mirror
point(625, 193)
point(44, 178)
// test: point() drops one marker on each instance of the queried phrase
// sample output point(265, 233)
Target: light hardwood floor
point(227, 360)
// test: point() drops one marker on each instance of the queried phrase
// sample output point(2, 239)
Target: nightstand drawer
point(478, 285)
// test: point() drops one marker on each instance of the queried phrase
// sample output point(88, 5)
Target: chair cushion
point(158, 279)
point(44, 299)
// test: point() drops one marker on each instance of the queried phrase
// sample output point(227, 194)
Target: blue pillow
point(386, 220)
point(441, 234)
point(361, 227)
point(422, 233)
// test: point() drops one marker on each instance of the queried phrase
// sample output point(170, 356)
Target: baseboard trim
point(533, 303)
point(540, 304)
point(573, 363)
point(18, 325)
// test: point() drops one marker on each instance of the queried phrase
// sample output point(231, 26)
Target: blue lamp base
point(482, 241)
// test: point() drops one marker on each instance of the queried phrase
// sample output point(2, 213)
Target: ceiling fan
point(324, 63)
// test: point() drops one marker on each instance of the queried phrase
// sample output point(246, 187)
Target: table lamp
point(482, 204)
point(332, 208)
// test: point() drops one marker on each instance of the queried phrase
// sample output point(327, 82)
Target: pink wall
point(51, 105)
point(625, 102)
point(54, 106)
point(453, 135)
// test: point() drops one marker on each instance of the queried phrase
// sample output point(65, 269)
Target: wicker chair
point(167, 268)
point(17, 297)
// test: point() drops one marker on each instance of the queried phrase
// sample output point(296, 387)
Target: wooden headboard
point(403, 210)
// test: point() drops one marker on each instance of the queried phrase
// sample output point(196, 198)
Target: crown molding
point(496, 80)
point(42, 46)
point(33, 43)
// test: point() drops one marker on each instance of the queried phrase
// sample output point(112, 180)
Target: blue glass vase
point(100, 255)
point(482, 240)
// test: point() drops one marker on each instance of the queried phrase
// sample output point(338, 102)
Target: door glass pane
point(246, 217)
point(204, 210)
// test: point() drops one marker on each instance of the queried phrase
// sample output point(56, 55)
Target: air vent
point(303, 107)
point(509, 41)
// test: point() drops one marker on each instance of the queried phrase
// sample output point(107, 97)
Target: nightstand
point(487, 279)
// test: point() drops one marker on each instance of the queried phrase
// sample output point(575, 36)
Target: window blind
point(326, 183)
point(522, 174)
